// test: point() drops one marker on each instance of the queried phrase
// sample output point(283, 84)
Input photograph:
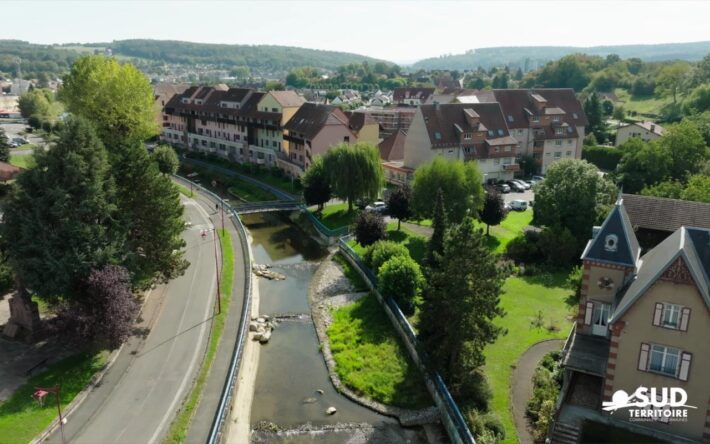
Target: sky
point(396, 30)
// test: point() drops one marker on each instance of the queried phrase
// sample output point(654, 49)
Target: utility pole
point(216, 263)
point(40, 392)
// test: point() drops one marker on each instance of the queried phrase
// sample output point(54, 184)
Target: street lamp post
point(40, 392)
point(216, 263)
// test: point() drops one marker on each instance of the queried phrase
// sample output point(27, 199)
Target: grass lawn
point(523, 298)
point(371, 360)
point(22, 161)
point(27, 146)
point(355, 278)
point(21, 418)
point(336, 216)
point(248, 192)
point(181, 424)
point(184, 190)
point(415, 244)
point(510, 228)
point(642, 105)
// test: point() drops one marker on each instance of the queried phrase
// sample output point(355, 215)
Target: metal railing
point(453, 419)
point(226, 395)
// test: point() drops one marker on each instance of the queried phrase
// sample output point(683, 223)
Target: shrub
point(486, 427)
point(381, 251)
point(559, 246)
point(574, 282)
point(401, 279)
point(605, 158)
point(369, 228)
point(525, 248)
point(474, 390)
point(546, 387)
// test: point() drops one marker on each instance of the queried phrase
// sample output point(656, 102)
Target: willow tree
point(354, 171)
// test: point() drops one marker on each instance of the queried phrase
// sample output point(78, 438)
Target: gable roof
point(616, 227)
point(392, 147)
point(445, 122)
point(312, 117)
point(691, 245)
point(359, 119)
point(287, 99)
point(651, 126)
point(663, 214)
point(404, 93)
point(236, 94)
point(518, 103)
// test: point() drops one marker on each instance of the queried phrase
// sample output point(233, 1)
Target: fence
point(451, 415)
point(226, 395)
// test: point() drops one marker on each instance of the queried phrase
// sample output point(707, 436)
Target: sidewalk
point(204, 414)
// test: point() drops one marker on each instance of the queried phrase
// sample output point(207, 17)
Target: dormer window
point(555, 118)
point(491, 133)
point(466, 136)
point(500, 133)
point(558, 131)
point(510, 118)
point(535, 118)
point(611, 242)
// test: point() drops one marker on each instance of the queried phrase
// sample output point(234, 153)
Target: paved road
point(140, 394)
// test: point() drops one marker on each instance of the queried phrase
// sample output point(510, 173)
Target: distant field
point(651, 105)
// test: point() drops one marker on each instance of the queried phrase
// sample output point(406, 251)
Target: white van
point(519, 205)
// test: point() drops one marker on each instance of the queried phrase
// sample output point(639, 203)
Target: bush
point(558, 246)
point(486, 428)
point(369, 228)
point(574, 282)
point(604, 158)
point(381, 251)
point(546, 387)
point(525, 248)
point(401, 279)
point(474, 391)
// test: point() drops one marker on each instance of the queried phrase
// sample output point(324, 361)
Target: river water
point(291, 367)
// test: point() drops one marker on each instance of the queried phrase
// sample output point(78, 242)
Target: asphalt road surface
point(140, 394)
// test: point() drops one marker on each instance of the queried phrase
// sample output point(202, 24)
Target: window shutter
point(684, 318)
point(643, 357)
point(588, 313)
point(684, 366)
point(658, 314)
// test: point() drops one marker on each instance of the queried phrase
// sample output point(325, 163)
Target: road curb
point(95, 381)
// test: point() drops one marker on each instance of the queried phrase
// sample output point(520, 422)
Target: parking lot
point(526, 195)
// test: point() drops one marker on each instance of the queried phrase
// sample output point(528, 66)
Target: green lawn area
point(21, 418)
point(248, 192)
point(642, 105)
point(510, 228)
point(415, 244)
point(355, 278)
point(181, 424)
point(22, 161)
point(336, 216)
point(371, 360)
point(184, 190)
point(523, 298)
point(27, 146)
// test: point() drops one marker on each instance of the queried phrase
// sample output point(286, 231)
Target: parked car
point(519, 205)
point(503, 188)
point(515, 186)
point(20, 140)
point(538, 178)
point(522, 183)
point(377, 207)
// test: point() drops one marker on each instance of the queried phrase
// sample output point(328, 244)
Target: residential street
point(140, 394)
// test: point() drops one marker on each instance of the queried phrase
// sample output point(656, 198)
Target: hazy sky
point(400, 31)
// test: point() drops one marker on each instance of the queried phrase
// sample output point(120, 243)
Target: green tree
point(528, 165)
point(643, 164)
point(435, 246)
point(595, 116)
point(4, 147)
point(400, 278)
point(61, 220)
point(382, 251)
point(460, 182)
point(355, 171)
point(619, 113)
point(670, 79)
point(35, 103)
point(686, 149)
point(493, 211)
point(152, 218)
point(369, 228)
point(461, 300)
point(116, 97)
point(399, 204)
point(702, 123)
point(573, 196)
point(166, 159)
point(698, 101)
point(698, 189)
point(316, 185)
point(671, 189)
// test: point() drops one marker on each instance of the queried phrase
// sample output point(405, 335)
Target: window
point(466, 136)
point(507, 161)
point(496, 161)
point(671, 315)
point(496, 149)
point(500, 133)
point(520, 132)
point(664, 360)
point(510, 118)
point(569, 141)
point(558, 154)
point(569, 153)
point(555, 118)
point(558, 142)
point(535, 118)
point(491, 133)
point(558, 131)
point(346, 139)
point(275, 110)
point(574, 115)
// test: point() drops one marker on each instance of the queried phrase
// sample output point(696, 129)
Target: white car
point(519, 205)
point(378, 207)
point(522, 183)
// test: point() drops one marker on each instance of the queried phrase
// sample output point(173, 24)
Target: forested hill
point(535, 56)
point(256, 57)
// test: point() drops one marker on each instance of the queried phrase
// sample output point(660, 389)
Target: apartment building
point(239, 124)
point(312, 130)
point(410, 96)
point(547, 123)
point(390, 120)
point(643, 323)
point(471, 132)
